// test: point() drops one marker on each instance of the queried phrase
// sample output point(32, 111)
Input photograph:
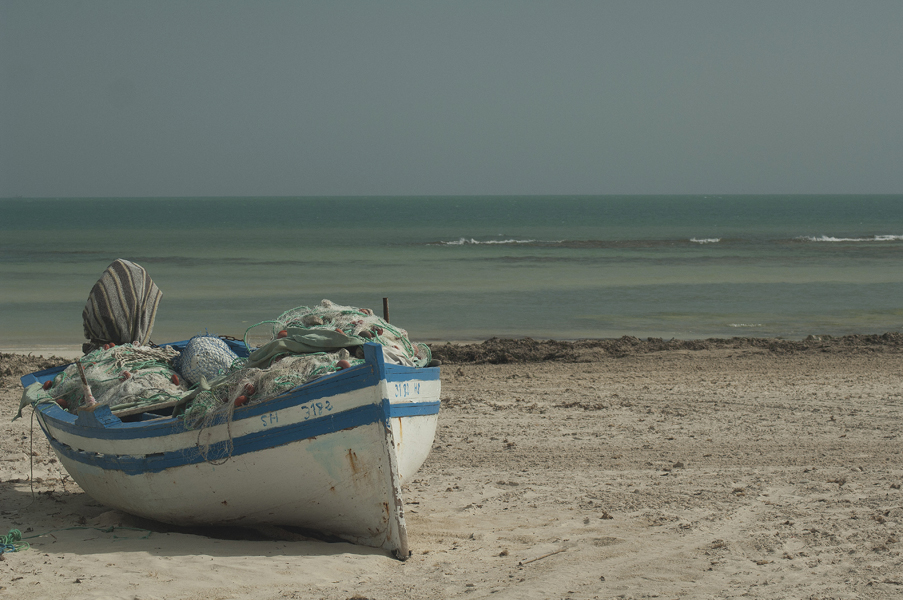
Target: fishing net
point(127, 377)
point(248, 385)
point(121, 377)
point(251, 385)
point(357, 322)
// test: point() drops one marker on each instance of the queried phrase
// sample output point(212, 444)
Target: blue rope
point(13, 542)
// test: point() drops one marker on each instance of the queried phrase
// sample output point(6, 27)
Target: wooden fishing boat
point(330, 455)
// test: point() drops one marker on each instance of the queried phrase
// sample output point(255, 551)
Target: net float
point(343, 364)
point(175, 378)
point(47, 384)
point(378, 330)
point(62, 402)
point(241, 400)
point(365, 334)
point(125, 375)
point(282, 334)
point(249, 390)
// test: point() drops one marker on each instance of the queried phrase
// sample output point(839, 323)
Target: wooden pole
point(89, 398)
point(386, 310)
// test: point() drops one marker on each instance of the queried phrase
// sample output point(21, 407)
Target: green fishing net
point(296, 347)
point(284, 369)
point(120, 377)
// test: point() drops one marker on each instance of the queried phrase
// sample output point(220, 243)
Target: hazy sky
point(213, 98)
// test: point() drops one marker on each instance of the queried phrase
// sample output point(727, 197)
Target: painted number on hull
point(407, 388)
point(312, 410)
point(316, 409)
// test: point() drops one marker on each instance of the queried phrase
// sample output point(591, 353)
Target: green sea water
point(467, 268)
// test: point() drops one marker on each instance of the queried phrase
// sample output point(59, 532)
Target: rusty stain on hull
point(352, 459)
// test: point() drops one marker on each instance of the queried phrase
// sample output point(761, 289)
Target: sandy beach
point(608, 469)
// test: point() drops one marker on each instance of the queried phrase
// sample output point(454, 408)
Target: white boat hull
point(330, 456)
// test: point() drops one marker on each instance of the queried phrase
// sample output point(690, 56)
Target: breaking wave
point(828, 238)
point(705, 240)
point(465, 242)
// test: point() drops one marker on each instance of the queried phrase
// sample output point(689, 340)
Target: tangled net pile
point(121, 377)
point(127, 376)
point(244, 384)
point(355, 322)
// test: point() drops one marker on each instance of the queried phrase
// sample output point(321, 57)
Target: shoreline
point(500, 350)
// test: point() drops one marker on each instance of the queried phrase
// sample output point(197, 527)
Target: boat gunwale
point(355, 378)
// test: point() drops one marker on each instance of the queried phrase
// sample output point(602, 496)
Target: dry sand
point(633, 470)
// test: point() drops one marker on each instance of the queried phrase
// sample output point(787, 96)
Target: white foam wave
point(744, 325)
point(874, 238)
point(705, 240)
point(464, 241)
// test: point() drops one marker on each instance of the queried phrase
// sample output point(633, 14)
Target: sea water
point(467, 268)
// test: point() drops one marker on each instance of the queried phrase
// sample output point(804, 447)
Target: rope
point(31, 459)
point(110, 529)
point(248, 330)
point(13, 542)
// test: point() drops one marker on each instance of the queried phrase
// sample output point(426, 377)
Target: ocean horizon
point(466, 268)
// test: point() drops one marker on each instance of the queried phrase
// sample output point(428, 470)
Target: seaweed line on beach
point(505, 350)
point(525, 350)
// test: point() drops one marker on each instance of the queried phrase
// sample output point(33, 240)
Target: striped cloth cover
point(121, 308)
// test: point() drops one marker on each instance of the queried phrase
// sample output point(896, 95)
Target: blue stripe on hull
point(270, 438)
point(253, 442)
point(332, 385)
point(400, 373)
point(413, 409)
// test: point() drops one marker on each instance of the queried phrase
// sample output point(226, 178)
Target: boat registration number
point(407, 388)
point(309, 411)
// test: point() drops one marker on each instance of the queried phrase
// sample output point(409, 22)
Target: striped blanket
point(121, 307)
